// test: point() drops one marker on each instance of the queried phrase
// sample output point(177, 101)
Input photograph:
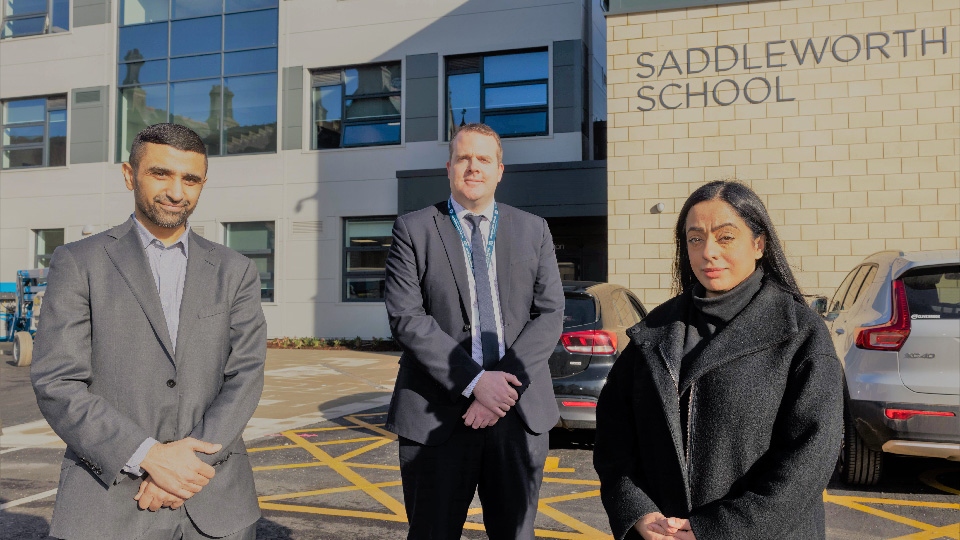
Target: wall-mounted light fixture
point(657, 208)
point(87, 230)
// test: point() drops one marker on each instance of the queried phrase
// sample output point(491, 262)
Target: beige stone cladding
point(849, 128)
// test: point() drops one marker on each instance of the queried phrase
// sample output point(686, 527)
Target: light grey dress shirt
point(477, 352)
point(169, 267)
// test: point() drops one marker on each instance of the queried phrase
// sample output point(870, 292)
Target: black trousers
point(503, 462)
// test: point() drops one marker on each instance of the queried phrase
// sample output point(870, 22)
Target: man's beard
point(157, 215)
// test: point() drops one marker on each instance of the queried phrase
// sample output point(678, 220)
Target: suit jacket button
point(171, 383)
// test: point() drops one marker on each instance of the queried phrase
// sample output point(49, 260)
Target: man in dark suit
point(474, 299)
point(149, 364)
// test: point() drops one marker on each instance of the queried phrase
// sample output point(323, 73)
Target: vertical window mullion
point(46, 133)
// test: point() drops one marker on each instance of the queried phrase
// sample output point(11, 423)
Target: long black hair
point(750, 208)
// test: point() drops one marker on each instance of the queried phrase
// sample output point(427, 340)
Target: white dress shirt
point(477, 352)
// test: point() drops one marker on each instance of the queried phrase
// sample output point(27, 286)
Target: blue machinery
point(20, 312)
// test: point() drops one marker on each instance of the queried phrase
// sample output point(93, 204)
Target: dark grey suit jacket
point(428, 303)
point(104, 373)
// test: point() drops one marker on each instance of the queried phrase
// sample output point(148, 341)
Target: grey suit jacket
point(428, 304)
point(106, 379)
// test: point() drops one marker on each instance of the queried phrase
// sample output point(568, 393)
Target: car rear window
point(933, 292)
point(579, 309)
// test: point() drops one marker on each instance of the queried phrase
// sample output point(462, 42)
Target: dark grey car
point(595, 320)
point(895, 323)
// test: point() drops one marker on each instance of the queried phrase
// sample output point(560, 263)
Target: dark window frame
point(271, 275)
point(48, 27)
point(45, 145)
point(344, 121)
point(346, 250)
point(49, 252)
point(484, 111)
point(168, 82)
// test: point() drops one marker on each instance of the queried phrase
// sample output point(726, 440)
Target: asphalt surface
point(338, 477)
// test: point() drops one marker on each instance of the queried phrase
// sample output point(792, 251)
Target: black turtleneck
point(708, 317)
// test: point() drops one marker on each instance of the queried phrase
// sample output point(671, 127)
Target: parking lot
point(328, 469)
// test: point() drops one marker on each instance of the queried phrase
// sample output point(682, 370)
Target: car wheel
point(858, 464)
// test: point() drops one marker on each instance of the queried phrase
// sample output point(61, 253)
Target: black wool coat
point(764, 423)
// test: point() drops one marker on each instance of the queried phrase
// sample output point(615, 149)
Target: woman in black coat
point(722, 417)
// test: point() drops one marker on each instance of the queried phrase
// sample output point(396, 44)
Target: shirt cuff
point(133, 464)
point(468, 391)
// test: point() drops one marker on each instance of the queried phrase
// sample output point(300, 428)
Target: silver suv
point(895, 322)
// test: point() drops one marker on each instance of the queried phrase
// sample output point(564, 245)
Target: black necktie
point(490, 344)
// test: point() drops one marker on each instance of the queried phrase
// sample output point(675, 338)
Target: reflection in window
point(47, 240)
point(31, 17)
point(34, 132)
point(366, 244)
point(509, 92)
point(357, 106)
point(255, 240)
point(189, 78)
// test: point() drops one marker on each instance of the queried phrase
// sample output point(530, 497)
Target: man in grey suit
point(474, 299)
point(149, 364)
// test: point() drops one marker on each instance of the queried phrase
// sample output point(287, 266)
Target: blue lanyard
point(463, 237)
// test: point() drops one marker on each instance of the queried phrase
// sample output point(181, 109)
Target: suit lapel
point(458, 262)
point(200, 280)
point(503, 247)
point(128, 256)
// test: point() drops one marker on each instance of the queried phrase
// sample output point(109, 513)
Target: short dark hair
point(751, 210)
point(180, 137)
point(482, 129)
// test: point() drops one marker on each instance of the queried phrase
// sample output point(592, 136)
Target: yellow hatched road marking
point(947, 531)
point(326, 491)
point(348, 473)
point(334, 512)
point(321, 443)
point(879, 513)
point(552, 465)
point(573, 481)
point(897, 502)
point(342, 466)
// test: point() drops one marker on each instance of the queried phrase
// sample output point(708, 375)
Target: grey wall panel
point(568, 79)
point(292, 121)
point(91, 12)
point(421, 97)
point(421, 129)
point(420, 66)
point(566, 189)
point(88, 125)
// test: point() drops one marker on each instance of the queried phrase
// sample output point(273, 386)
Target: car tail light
point(589, 342)
point(579, 403)
point(892, 335)
point(906, 414)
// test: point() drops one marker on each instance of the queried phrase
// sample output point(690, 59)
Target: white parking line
point(29, 499)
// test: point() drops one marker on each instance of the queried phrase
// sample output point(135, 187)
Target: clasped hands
point(175, 473)
point(494, 395)
point(656, 526)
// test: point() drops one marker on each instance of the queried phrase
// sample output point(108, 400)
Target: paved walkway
point(301, 387)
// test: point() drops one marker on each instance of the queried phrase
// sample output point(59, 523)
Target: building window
point(366, 243)
point(32, 17)
point(47, 240)
point(210, 65)
point(356, 106)
point(255, 239)
point(34, 132)
point(507, 91)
